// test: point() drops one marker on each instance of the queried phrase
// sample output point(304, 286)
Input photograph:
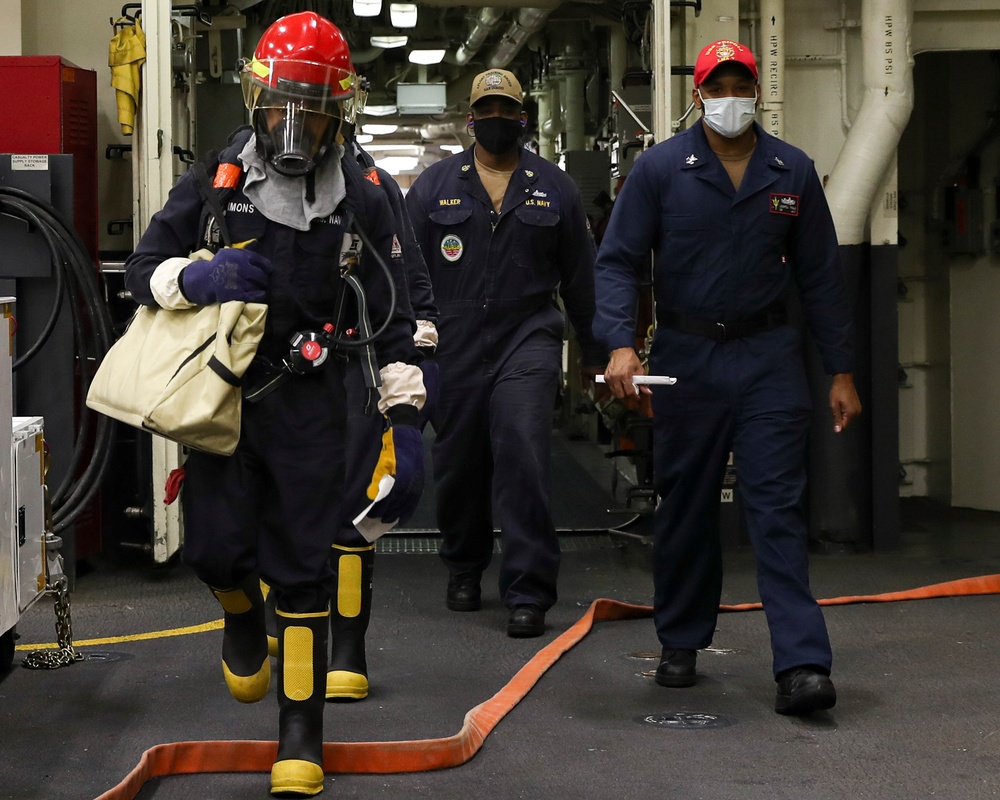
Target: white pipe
point(772, 76)
point(572, 102)
point(546, 139)
point(486, 21)
point(661, 70)
point(871, 145)
point(529, 21)
point(618, 59)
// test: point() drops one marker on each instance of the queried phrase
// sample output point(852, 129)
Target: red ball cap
point(720, 52)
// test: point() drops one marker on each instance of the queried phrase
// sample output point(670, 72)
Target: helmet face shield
point(297, 108)
point(317, 87)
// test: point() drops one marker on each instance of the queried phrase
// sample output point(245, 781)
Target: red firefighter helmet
point(300, 58)
point(299, 87)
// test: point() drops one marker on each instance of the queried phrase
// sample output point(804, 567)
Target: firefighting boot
point(347, 678)
point(244, 642)
point(270, 621)
point(298, 770)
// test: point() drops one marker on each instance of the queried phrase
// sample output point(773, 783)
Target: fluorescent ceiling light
point(379, 110)
point(453, 148)
point(396, 164)
point(403, 15)
point(363, 138)
point(367, 8)
point(426, 56)
point(378, 130)
point(388, 42)
point(397, 149)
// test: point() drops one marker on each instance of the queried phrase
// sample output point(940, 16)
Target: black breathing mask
point(497, 135)
point(298, 142)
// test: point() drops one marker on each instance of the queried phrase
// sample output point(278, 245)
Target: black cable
point(76, 277)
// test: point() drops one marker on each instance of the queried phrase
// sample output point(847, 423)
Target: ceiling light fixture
point(397, 164)
point(388, 42)
point(453, 148)
point(378, 130)
point(367, 8)
point(426, 56)
point(403, 15)
point(363, 138)
point(379, 110)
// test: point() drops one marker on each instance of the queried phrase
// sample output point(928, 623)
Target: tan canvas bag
point(178, 373)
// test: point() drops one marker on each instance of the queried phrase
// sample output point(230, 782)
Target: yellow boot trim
point(293, 776)
point(344, 685)
point(297, 657)
point(272, 646)
point(349, 585)
point(250, 688)
point(233, 601)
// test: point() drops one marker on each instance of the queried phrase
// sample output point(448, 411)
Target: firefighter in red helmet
point(271, 510)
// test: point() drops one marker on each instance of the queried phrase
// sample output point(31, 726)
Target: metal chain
point(65, 654)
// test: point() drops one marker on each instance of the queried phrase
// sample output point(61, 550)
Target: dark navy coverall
point(724, 255)
point(274, 506)
point(495, 278)
point(364, 426)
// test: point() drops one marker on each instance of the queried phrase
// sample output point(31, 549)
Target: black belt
point(725, 330)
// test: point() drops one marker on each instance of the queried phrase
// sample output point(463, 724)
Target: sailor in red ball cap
point(736, 220)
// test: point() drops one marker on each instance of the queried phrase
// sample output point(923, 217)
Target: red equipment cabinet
point(50, 106)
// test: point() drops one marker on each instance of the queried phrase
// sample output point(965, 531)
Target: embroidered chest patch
point(451, 247)
point(787, 204)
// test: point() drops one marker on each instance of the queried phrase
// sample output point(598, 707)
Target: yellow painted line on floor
point(132, 637)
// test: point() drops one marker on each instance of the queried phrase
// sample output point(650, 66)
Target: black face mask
point(497, 135)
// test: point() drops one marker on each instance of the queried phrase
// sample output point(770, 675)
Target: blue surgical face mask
point(729, 116)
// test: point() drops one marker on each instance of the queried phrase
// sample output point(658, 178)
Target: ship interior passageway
point(915, 716)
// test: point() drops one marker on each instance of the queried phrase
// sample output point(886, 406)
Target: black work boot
point(244, 641)
point(298, 770)
point(464, 592)
point(350, 612)
point(677, 668)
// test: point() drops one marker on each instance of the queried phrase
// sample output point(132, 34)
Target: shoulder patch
point(227, 176)
point(372, 175)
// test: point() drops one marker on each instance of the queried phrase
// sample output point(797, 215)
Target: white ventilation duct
point(886, 26)
point(529, 21)
point(486, 21)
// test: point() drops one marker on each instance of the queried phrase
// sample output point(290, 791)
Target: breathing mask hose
point(367, 340)
point(75, 275)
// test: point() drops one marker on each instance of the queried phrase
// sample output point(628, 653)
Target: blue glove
point(233, 274)
point(402, 457)
point(432, 385)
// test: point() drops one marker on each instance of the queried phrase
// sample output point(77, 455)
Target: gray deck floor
point(917, 716)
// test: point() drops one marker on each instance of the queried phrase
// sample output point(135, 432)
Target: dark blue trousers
point(491, 454)
point(274, 506)
point(751, 397)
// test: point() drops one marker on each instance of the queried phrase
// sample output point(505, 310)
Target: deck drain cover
point(690, 721)
point(107, 658)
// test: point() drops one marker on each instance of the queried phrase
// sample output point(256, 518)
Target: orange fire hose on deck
point(421, 755)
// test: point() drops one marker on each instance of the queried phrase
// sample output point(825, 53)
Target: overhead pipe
point(887, 64)
point(772, 81)
point(549, 118)
point(486, 21)
point(529, 22)
point(572, 101)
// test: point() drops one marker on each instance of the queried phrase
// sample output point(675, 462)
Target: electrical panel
point(60, 101)
point(28, 460)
